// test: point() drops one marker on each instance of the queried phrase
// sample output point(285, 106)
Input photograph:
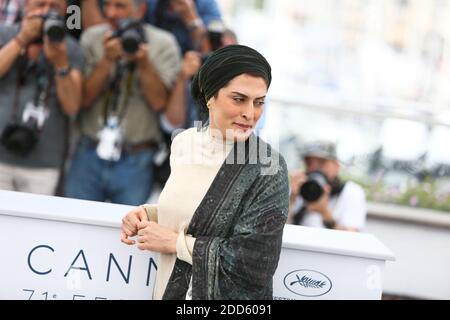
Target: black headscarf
point(222, 66)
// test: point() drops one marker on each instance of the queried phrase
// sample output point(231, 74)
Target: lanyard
point(43, 83)
point(111, 100)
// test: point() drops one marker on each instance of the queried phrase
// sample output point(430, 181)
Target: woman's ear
point(210, 103)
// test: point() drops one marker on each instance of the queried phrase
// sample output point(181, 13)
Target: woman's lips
point(243, 127)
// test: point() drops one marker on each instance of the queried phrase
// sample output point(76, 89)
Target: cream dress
point(196, 157)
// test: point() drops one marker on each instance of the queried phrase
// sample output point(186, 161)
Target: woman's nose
point(248, 112)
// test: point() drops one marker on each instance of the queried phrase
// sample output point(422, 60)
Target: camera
point(54, 26)
point(20, 138)
point(215, 31)
point(131, 33)
point(313, 188)
point(215, 39)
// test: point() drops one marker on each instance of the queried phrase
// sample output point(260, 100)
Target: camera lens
point(215, 40)
point(131, 34)
point(313, 188)
point(54, 27)
point(19, 139)
point(130, 41)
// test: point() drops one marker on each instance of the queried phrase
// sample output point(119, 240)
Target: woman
point(219, 220)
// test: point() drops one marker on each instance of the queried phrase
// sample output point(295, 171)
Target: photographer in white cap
point(319, 198)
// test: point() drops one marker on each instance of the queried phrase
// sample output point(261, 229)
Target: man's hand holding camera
point(186, 10)
point(112, 47)
point(140, 57)
point(114, 51)
point(298, 178)
point(31, 28)
point(321, 204)
point(56, 53)
point(191, 64)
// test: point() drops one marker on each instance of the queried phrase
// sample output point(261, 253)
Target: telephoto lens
point(313, 188)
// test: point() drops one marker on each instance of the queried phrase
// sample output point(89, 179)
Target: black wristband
point(63, 72)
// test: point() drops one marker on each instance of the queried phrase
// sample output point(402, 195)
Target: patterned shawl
point(238, 228)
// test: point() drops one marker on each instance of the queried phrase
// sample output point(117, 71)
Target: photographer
point(181, 110)
point(40, 81)
point(332, 203)
point(185, 19)
point(130, 68)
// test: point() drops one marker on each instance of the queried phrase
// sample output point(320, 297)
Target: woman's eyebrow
point(240, 94)
point(244, 95)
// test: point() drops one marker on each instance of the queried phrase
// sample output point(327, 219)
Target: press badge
point(37, 113)
point(110, 141)
point(161, 154)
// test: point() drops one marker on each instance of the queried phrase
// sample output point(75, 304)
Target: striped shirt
point(10, 11)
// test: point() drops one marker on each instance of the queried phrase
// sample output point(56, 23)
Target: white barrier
point(329, 264)
point(59, 248)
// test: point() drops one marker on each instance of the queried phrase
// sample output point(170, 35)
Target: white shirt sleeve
point(166, 126)
point(185, 245)
point(351, 207)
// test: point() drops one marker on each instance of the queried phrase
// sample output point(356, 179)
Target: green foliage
point(429, 194)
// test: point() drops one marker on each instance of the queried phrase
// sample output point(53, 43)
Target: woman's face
point(236, 109)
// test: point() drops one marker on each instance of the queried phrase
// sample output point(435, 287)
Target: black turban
point(222, 66)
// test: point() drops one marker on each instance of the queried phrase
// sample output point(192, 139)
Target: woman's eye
point(260, 103)
point(237, 99)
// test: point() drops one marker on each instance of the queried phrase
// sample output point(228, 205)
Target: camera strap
point(111, 100)
point(337, 185)
point(22, 62)
point(43, 86)
point(43, 82)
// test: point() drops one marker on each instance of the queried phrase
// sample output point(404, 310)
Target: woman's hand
point(154, 237)
point(130, 224)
